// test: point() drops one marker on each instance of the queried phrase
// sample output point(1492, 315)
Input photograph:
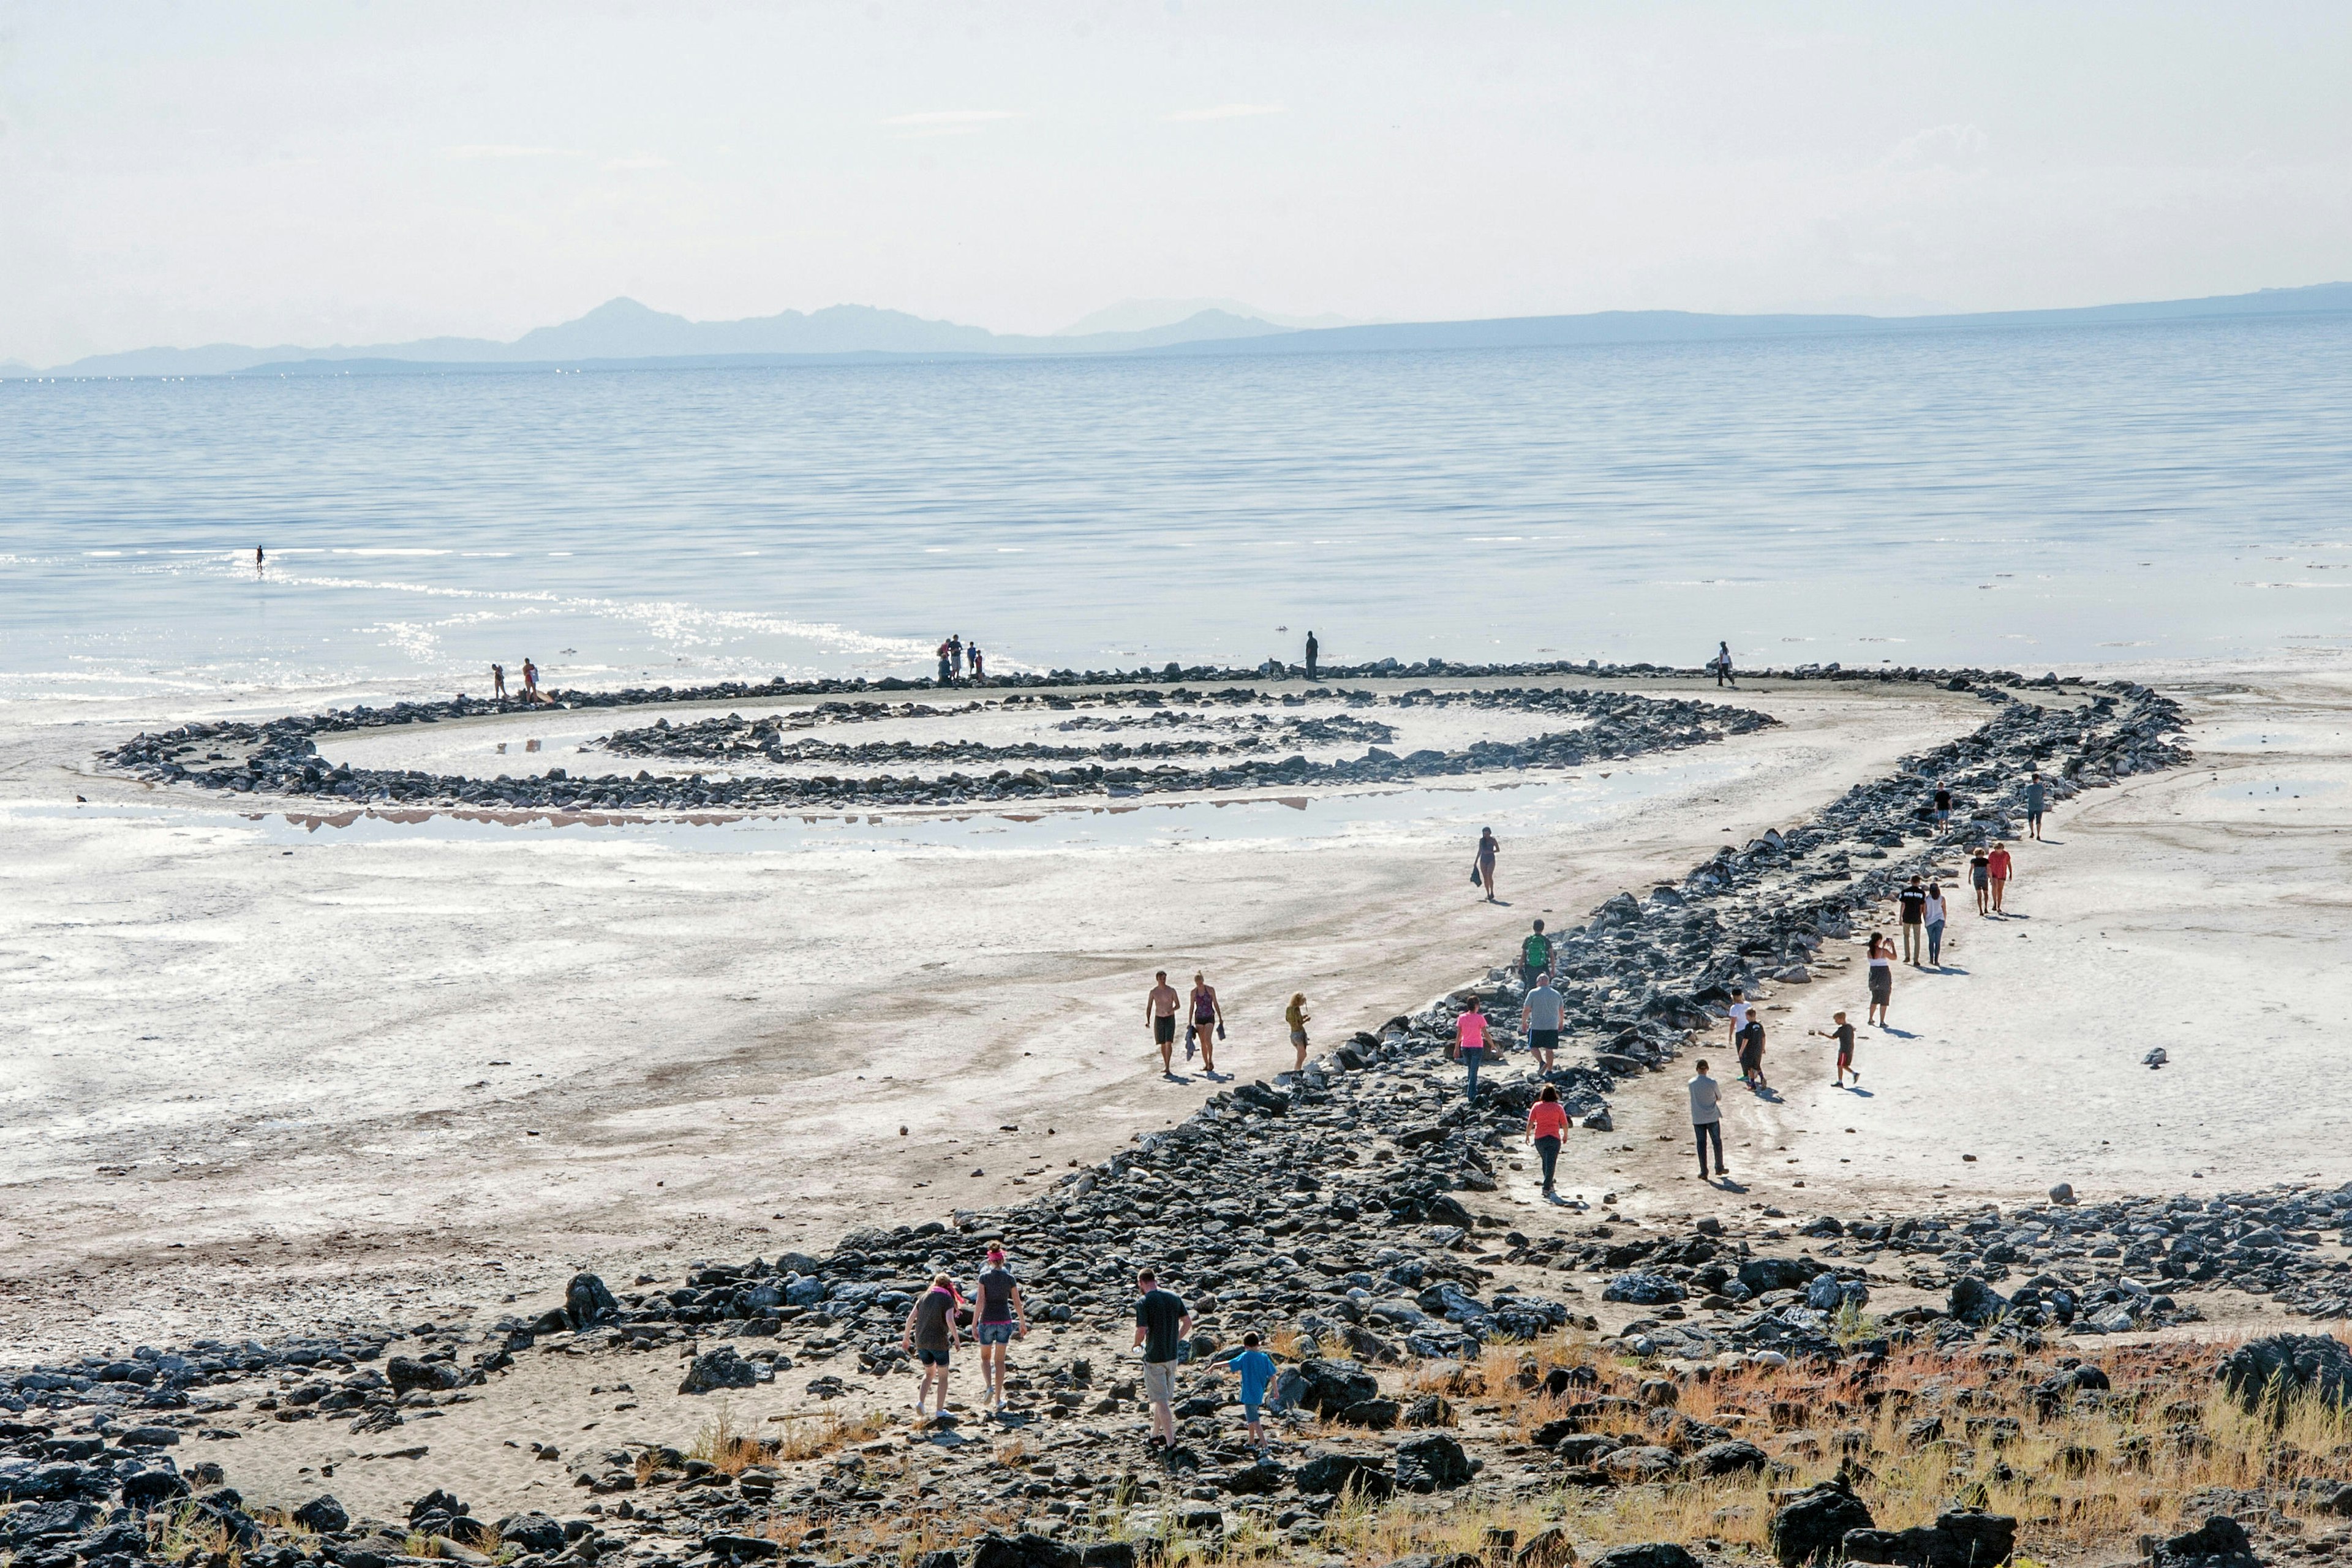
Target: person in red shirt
point(1998, 867)
point(1546, 1119)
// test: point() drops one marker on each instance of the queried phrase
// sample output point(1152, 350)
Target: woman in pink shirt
point(1999, 867)
point(1546, 1119)
point(1470, 1042)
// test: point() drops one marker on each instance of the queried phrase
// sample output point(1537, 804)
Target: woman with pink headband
point(1000, 1314)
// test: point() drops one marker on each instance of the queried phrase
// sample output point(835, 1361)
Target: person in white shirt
point(1539, 1021)
point(1738, 1019)
point(1935, 915)
point(1707, 1120)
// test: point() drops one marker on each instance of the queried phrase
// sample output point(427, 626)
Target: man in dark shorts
point(1943, 806)
point(998, 1314)
point(1915, 910)
point(1163, 1324)
point(1843, 1035)
point(1539, 1019)
point(1160, 1011)
point(930, 1337)
point(1751, 1053)
point(2036, 798)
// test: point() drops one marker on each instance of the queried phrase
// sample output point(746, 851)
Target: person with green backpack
point(1535, 956)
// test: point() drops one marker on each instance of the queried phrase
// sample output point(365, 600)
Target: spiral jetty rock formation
point(1340, 1211)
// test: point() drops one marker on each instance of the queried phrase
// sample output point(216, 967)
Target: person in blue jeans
point(1934, 915)
point(1470, 1042)
point(1256, 1369)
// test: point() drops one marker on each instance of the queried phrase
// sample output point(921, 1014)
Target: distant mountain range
point(624, 332)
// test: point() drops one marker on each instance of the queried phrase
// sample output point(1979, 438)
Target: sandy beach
point(279, 1071)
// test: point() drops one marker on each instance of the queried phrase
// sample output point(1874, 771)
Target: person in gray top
point(1707, 1120)
point(1539, 1021)
point(2036, 798)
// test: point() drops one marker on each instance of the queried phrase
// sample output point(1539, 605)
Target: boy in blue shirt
point(1257, 1370)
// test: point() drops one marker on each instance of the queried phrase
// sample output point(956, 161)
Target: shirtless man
point(1159, 1010)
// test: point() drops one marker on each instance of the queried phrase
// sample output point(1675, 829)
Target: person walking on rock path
point(1980, 878)
point(1482, 869)
point(1539, 1020)
point(1208, 1023)
point(1546, 1119)
point(1843, 1035)
point(1163, 1324)
point(1160, 1011)
point(999, 1314)
point(1296, 1017)
point(1736, 1017)
point(930, 1337)
point(1998, 868)
point(1314, 652)
point(2036, 798)
point(1470, 1042)
point(1535, 956)
point(1934, 916)
point(1915, 911)
point(1257, 1370)
point(1943, 806)
point(1882, 978)
point(1706, 1120)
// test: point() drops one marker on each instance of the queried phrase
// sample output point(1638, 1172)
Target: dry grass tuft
point(815, 1433)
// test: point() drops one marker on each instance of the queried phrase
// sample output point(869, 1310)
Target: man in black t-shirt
point(1914, 907)
point(1163, 1324)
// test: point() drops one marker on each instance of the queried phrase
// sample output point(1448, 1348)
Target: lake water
point(2024, 499)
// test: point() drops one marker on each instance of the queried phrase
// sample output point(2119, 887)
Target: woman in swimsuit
point(1882, 979)
point(1487, 846)
point(1207, 1019)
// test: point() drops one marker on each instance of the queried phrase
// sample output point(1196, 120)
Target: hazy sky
point(328, 171)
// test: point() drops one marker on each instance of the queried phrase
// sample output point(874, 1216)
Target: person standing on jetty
point(1000, 1314)
point(1208, 1022)
point(1539, 1020)
point(979, 669)
point(1314, 651)
point(930, 1337)
point(944, 677)
point(955, 655)
point(498, 681)
point(1296, 1017)
point(1160, 1011)
point(1936, 914)
point(530, 679)
point(1882, 978)
point(1482, 869)
point(2036, 798)
point(1998, 868)
point(1535, 956)
point(1722, 663)
point(1163, 1324)
point(1843, 1035)
point(1470, 1042)
point(1706, 1120)
point(1546, 1119)
point(1915, 911)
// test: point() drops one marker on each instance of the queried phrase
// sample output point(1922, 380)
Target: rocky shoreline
point(1340, 1212)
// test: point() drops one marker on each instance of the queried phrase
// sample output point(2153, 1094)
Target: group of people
point(995, 1314)
point(954, 655)
point(530, 691)
point(1204, 1022)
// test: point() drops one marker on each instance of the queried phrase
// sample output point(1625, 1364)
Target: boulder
point(533, 1533)
point(1642, 1290)
point(1328, 1388)
point(1547, 1548)
point(1586, 1448)
point(1649, 1555)
point(1812, 1526)
point(1961, 1538)
point(1331, 1474)
point(2278, 1367)
point(322, 1515)
point(1104, 1554)
point(1431, 1410)
point(2219, 1542)
point(1762, 1274)
point(1023, 1551)
point(586, 1302)
point(1374, 1415)
point(2054, 1392)
point(1728, 1459)
point(1261, 1479)
point(1434, 1462)
point(1974, 1302)
point(1645, 1462)
point(406, 1374)
point(148, 1489)
point(22, 1526)
point(715, 1369)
